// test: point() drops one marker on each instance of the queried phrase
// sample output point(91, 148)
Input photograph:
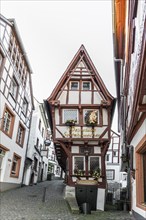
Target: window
point(15, 166)
point(37, 143)
point(24, 106)
point(144, 174)
point(35, 164)
point(86, 86)
point(20, 135)
point(78, 163)
point(8, 122)
point(14, 88)
point(40, 124)
point(1, 62)
point(115, 153)
point(70, 114)
point(91, 117)
point(74, 85)
point(141, 174)
point(42, 132)
point(2, 154)
point(94, 163)
point(110, 174)
point(107, 157)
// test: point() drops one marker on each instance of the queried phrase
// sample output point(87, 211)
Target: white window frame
point(77, 119)
point(71, 85)
point(112, 175)
point(20, 135)
point(25, 106)
point(89, 159)
point(73, 162)
point(83, 86)
point(14, 88)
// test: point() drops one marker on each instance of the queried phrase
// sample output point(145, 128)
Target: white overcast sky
point(53, 31)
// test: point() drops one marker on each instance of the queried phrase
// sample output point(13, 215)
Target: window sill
point(142, 206)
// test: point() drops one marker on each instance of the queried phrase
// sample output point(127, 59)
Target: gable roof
point(81, 55)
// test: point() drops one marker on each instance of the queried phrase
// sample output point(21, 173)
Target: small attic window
point(86, 85)
point(74, 86)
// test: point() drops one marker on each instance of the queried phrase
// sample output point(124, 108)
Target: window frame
point(75, 89)
point(139, 151)
point(88, 89)
point(98, 116)
point(63, 114)
point(10, 132)
point(89, 159)
point(113, 174)
point(24, 110)
point(15, 173)
point(14, 81)
point(23, 135)
point(73, 162)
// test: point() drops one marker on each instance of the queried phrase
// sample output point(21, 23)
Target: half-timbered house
point(80, 110)
point(16, 104)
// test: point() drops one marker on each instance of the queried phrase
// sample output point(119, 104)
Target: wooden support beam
point(141, 108)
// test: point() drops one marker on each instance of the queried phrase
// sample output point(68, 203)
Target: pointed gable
point(80, 69)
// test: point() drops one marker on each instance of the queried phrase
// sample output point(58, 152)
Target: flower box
point(70, 122)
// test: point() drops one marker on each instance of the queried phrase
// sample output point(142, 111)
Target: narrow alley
point(29, 203)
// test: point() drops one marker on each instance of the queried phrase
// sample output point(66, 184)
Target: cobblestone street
point(26, 203)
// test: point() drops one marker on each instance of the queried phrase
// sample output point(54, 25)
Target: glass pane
point(70, 115)
point(74, 85)
point(109, 174)
point(79, 163)
point(94, 164)
point(86, 85)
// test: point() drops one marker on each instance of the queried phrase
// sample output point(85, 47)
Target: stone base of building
point(137, 216)
point(4, 186)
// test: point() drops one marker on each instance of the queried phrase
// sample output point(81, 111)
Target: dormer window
point(74, 86)
point(86, 86)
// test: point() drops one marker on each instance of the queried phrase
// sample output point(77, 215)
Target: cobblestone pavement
point(26, 203)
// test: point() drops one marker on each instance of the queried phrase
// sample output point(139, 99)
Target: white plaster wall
point(56, 115)
point(86, 97)
point(105, 117)
point(97, 98)
point(13, 147)
point(100, 199)
point(62, 97)
point(73, 97)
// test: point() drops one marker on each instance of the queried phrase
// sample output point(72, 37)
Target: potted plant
point(70, 122)
point(91, 118)
point(96, 174)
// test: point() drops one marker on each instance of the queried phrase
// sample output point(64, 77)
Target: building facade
point(130, 65)
point(116, 180)
point(80, 112)
point(16, 104)
point(36, 164)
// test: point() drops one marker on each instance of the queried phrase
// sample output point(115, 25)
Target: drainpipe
point(123, 98)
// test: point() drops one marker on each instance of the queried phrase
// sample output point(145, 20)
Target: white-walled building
point(116, 180)
point(16, 101)
point(130, 64)
point(36, 166)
